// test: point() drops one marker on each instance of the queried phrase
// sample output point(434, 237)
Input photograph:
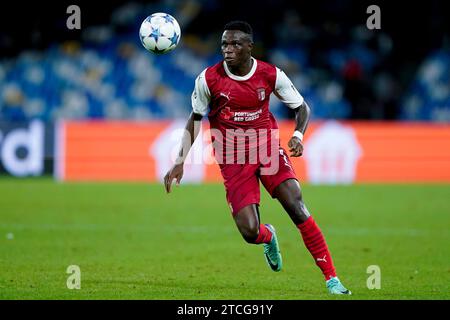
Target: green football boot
point(272, 251)
point(335, 286)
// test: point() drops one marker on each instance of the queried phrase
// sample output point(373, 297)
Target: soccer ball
point(160, 33)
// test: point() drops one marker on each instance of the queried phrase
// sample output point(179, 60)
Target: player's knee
point(250, 234)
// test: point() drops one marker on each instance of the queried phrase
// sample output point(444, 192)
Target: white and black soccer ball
point(160, 33)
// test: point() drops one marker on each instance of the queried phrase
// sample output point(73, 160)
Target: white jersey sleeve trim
point(286, 91)
point(201, 96)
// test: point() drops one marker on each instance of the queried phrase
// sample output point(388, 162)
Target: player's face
point(236, 48)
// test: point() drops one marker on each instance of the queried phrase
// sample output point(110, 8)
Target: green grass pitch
point(132, 241)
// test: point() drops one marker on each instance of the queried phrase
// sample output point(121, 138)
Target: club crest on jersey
point(261, 94)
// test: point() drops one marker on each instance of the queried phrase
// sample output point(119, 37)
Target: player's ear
point(250, 45)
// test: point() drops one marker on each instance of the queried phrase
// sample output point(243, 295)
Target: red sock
point(264, 236)
point(315, 242)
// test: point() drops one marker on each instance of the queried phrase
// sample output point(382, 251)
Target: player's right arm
point(200, 101)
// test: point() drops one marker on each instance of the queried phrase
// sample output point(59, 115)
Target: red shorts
point(242, 181)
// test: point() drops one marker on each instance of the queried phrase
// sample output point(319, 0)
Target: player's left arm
point(295, 144)
point(289, 95)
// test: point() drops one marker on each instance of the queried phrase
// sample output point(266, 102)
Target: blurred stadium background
point(93, 105)
point(346, 71)
point(101, 72)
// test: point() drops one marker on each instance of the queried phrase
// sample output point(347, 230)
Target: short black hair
point(241, 26)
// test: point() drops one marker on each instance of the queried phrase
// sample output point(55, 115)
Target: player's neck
point(243, 69)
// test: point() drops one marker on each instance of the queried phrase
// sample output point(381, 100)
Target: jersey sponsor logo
point(240, 116)
point(247, 116)
point(261, 94)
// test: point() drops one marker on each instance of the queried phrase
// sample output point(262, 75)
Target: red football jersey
point(238, 106)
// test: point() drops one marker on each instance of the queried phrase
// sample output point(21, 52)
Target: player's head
point(237, 42)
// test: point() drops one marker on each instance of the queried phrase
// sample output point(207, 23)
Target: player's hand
point(295, 147)
point(175, 173)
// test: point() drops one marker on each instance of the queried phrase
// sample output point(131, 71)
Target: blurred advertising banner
point(335, 152)
point(26, 149)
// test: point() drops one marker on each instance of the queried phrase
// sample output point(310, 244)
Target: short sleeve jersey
point(242, 102)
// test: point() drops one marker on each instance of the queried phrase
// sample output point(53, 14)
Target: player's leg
point(243, 195)
point(283, 185)
point(289, 195)
point(248, 223)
